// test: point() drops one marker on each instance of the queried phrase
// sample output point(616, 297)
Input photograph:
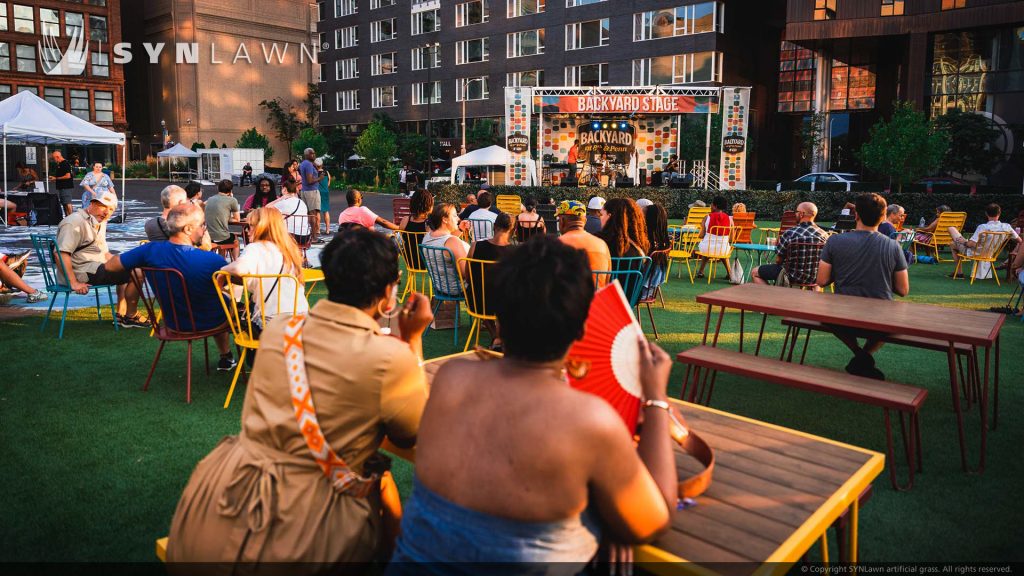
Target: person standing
point(64, 180)
point(96, 184)
point(574, 157)
point(325, 194)
point(402, 175)
point(222, 210)
point(310, 191)
point(246, 174)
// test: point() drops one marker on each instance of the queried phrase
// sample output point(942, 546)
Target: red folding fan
point(606, 361)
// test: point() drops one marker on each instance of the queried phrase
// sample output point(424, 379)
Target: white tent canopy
point(178, 151)
point(28, 119)
point(490, 156)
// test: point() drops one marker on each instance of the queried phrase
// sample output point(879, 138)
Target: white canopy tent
point(28, 119)
point(490, 156)
point(176, 151)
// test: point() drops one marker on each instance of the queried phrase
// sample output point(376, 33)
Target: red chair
point(156, 290)
point(400, 208)
point(788, 221)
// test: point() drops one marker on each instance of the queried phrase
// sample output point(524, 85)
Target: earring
point(390, 313)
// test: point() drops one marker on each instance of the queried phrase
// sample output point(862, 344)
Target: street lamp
point(431, 54)
point(465, 94)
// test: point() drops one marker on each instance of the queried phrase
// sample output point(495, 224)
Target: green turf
point(92, 467)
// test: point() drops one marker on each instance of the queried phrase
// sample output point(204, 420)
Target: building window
point(383, 97)
point(49, 22)
point(677, 69)
point(518, 8)
point(5, 91)
point(526, 43)
point(471, 89)
point(5, 56)
point(424, 93)
point(54, 96)
point(374, 4)
point(24, 19)
point(98, 28)
point(104, 106)
point(965, 69)
point(571, 3)
point(591, 34)
point(348, 100)
point(381, 64)
point(383, 30)
point(892, 7)
point(680, 21)
point(587, 75)
point(345, 8)
point(346, 37)
point(853, 79)
point(425, 56)
point(74, 22)
point(346, 69)
point(100, 64)
point(527, 78)
point(953, 4)
point(426, 22)
point(31, 89)
point(3, 27)
point(80, 104)
point(797, 69)
point(824, 9)
point(469, 51)
point(26, 58)
point(470, 13)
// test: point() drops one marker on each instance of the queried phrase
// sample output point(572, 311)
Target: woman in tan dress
point(261, 496)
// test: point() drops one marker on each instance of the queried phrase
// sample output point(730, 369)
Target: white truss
point(678, 90)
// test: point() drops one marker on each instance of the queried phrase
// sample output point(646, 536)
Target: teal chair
point(627, 279)
point(630, 285)
point(444, 276)
point(53, 270)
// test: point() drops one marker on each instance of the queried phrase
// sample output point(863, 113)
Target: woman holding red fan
point(512, 464)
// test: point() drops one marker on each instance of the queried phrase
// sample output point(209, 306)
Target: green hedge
point(769, 205)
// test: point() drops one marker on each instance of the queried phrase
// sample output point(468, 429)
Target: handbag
point(736, 275)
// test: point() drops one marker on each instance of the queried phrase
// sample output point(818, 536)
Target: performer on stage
point(573, 158)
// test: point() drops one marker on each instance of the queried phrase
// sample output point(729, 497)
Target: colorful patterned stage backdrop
point(656, 138)
point(518, 108)
point(736, 114)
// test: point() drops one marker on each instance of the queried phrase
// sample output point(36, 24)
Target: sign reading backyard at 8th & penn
point(625, 104)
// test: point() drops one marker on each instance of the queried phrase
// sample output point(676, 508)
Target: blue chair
point(447, 286)
point(53, 270)
point(625, 278)
point(630, 285)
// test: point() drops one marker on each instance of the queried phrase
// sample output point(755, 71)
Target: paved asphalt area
point(142, 203)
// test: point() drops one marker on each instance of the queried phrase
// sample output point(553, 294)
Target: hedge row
point(769, 205)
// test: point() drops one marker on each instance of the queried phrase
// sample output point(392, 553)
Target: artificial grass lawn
point(92, 467)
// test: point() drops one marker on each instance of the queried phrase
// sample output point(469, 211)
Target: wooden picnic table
point(774, 494)
point(977, 329)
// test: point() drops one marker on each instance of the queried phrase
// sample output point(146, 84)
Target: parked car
point(829, 178)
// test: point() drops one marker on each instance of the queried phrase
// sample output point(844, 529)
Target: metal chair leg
point(99, 315)
point(63, 316)
point(48, 312)
point(653, 325)
point(188, 374)
point(113, 308)
point(238, 370)
point(152, 368)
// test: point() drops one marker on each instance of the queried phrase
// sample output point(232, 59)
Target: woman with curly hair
point(420, 205)
point(623, 228)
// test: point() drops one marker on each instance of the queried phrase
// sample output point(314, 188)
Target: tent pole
point(46, 163)
point(6, 216)
point(124, 188)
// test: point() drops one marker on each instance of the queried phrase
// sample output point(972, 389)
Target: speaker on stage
point(624, 183)
point(643, 177)
point(570, 182)
point(684, 181)
point(656, 178)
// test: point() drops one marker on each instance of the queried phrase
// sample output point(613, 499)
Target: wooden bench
point(906, 400)
point(971, 384)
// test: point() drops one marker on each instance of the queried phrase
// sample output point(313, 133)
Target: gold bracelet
point(658, 404)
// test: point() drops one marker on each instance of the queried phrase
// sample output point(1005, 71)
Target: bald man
point(803, 263)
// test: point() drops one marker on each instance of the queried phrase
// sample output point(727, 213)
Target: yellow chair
point(940, 237)
point(240, 320)
point(719, 247)
point(475, 282)
point(989, 246)
point(696, 216)
point(311, 276)
point(409, 247)
point(508, 203)
point(684, 242)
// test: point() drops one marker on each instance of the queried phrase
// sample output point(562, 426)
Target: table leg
point(984, 412)
point(707, 322)
point(742, 316)
point(955, 389)
point(995, 384)
point(760, 334)
point(854, 527)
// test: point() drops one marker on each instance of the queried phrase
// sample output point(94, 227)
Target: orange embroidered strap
point(342, 478)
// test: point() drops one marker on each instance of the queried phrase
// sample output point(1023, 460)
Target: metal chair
point(800, 255)
point(649, 294)
point(623, 277)
point(55, 275)
point(508, 203)
point(475, 282)
point(744, 222)
point(989, 246)
point(788, 221)
point(409, 248)
point(718, 248)
point(527, 230)
point(684, 243)
point(240, 319)
point(400, 208)
point(630, 286)
point(482, 229)
point(941, 237)
point(173, 324)
point(696, 216)
point(443, 270)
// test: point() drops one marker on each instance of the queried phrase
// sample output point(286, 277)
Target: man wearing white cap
point(594, 208)
point(82, 242)
point(644, 203)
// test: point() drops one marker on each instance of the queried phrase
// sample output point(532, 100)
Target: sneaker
point(226, 363)
point(37, 296)
point(136, 321)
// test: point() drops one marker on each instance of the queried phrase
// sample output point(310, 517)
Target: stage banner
point(736, 115)
point(519, 168)
point(615, 140)
point(625, 104)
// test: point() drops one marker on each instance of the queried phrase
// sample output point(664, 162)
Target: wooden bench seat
point(906, 400)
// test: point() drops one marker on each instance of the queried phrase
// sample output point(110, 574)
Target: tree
point(970, 143)
point(197, 146)
point(812, 137)
point(283, 120)
point(312, 103)
point(412, 149)
point(906, 147)
point(213, 143)
point(377, 146)
point(483, 133)
point(309, 138)
point(252, 138)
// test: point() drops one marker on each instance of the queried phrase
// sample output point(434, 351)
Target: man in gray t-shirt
point(222, 210)
point(864, 263)
point(310, 193)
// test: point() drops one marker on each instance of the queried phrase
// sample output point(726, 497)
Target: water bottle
point(922, 223)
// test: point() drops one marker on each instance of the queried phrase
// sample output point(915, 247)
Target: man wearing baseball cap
point(594, 208)
point(571, 216)
point(82, 242)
